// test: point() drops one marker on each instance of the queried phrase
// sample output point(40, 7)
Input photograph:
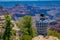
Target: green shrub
point(53, 33)
point(26, 37)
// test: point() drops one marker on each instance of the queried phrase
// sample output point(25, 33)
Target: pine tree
point(25, 25)
point(8, 28)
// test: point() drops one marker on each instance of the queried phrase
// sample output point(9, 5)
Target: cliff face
point(3, 10)
point(21, 10)
point(40, 37)
point(56, 27)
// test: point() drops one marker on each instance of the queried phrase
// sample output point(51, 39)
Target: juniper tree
point(25, 25)
point(8, 28)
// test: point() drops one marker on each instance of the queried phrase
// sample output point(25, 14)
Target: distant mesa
point(25, 9)
point(56, 27)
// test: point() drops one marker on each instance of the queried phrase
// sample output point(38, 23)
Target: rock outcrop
point(40, 37)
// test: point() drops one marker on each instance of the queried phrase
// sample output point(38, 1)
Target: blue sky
point(40, 3)
point(6, 2)
point(29, 0)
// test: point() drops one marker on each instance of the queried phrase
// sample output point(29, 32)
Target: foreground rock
point(40, 37)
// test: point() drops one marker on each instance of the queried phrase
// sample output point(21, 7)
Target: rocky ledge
point(40, 37)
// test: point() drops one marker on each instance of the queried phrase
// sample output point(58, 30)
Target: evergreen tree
point(8, 28)
point(25, 25)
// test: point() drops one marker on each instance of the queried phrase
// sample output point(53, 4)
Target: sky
point(29, 0)
point(40, 3)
